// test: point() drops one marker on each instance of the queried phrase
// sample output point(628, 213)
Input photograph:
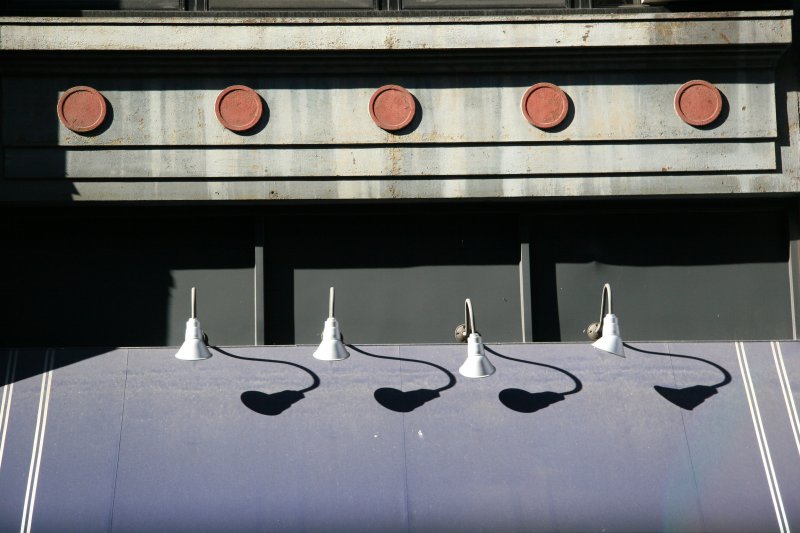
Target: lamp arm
point(194, 303)
point(594, 331)
point(606, 291)
point(330, 304)
point(469, 317)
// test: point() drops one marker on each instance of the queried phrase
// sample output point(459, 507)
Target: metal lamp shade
point(477, 365)
point(610, 341)
point(193, 348)
point(331, 348)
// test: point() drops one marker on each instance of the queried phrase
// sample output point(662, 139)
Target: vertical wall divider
point(792, 216)
point(258, 280)
point(525, 278)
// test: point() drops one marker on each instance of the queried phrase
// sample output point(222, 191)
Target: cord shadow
point(406, 401)
point(522, 401)
point(688, 398)
point(277, 402)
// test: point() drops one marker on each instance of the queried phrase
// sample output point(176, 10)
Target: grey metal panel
point(77, 476)
point(681, 276)
point(397, 278)
point(452, 109)
point(727, 462)
point(225, 302)
point(400, 188)
point(691, 302)
point(277, 162)
point(291, 4)
point(611, 446)
point(438, 4)
point(423, 304)
point(465, 32)
point(195, 457)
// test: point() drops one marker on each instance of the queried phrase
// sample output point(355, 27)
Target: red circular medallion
point(545, 105)
point(81, 109)
point(392, 107)
point(238, 108)
point(698, 103)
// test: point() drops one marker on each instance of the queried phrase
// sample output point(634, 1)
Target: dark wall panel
point(101, 277)
point(289, 4)
point(676, 275)
point(399, 278)
point(34, 5)
point(92, 279)
point(465, 4)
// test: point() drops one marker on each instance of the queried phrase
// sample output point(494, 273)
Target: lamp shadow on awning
point(523, 401)
point(407, 401)
point(688, 398)
point(276, 403)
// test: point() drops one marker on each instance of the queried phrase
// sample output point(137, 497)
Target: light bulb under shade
point(331, 348)
point(193, 347)
point(610, 341)
point(477, 365)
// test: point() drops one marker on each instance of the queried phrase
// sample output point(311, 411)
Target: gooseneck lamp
point(331, 348)
point(606, 336)
point(477, 365)
point(194, 347)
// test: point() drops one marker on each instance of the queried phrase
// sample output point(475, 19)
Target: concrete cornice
point(188, 34)
point(227, 19)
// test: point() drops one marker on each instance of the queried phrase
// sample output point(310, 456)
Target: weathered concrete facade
point(491, 202)
point(622, 137)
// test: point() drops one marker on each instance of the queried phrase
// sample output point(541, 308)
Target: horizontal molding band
point(419, 17)
point(172, 34)
point(180, 112)
point(321, 190)
point(404, 62)
point(589, 159)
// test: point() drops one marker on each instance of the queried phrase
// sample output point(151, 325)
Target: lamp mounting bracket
point(461, 334)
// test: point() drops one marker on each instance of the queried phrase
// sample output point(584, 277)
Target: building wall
point(97, 276)
point(694, 226)
point(469, 138)
point(103, 235)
